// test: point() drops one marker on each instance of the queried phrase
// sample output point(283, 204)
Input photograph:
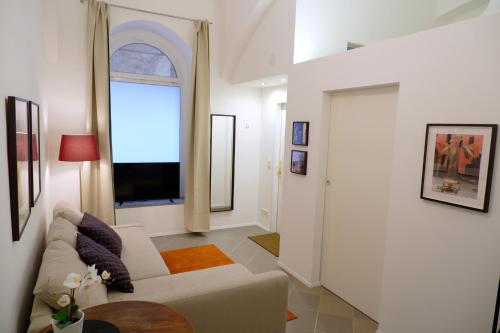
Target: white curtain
point(197, 177)
point(97, 181)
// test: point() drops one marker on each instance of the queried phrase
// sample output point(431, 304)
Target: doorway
point(279, 155)
point(357, 193)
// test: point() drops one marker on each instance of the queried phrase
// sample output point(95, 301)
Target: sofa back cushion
point(68, 212)
point(62, 229)
point(60, 259)
point(101, 233)
point(94, 253)
point(139, 254)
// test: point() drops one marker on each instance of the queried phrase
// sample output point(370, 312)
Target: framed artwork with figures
point(458, 164)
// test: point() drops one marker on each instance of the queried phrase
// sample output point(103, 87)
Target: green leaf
point(61, 315)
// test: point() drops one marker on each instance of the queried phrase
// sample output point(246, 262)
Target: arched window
point(145, 124)
point(141, 59)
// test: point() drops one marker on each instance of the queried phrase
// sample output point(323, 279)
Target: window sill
point(148, 203)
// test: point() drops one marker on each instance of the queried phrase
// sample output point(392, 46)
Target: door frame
point(279, 144)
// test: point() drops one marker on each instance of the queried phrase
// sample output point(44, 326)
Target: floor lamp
point(79, 148)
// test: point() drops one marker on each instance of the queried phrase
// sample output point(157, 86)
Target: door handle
point(328, 182)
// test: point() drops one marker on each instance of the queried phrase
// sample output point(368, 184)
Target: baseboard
point(185, 231)
point(263, 227)
point(168, 233)
point(298, 276)
point(231, 226)
point(378, 331)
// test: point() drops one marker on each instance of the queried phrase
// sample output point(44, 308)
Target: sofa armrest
point(249, 305)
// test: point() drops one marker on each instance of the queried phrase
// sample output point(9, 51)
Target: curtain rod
point(151, 12)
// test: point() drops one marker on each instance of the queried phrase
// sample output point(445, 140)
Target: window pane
point(145, 120)
point(141, 59)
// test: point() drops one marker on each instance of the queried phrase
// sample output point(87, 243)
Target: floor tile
point(333, 324)
point(306, 319)
point(333, 305)
point(244, 252)
point(364, 326)
point(360, 315)
point(303, 300)
point(294, 329)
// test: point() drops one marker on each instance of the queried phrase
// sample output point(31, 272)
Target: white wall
point(441, 262)
point(271, 99)
point(68, 92)
point(21, 75)
point(324, 27)
point(269, 51)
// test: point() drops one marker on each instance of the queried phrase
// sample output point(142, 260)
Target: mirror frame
point(226, 209)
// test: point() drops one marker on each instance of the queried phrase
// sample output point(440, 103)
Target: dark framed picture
point(299, 162)
point(300, 133)
point(458, 164)
point(496, 322)
point(35, 167)
point(18, 151)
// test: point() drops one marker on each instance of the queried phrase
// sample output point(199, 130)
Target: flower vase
point(76, 327)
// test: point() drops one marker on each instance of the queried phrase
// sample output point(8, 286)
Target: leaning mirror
point(222, 163)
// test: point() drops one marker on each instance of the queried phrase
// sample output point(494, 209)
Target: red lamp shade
point(78, 148)
point(34, 148)
point(22, 146)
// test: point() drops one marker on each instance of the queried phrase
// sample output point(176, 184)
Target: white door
point(279, 149)
point(357, 194)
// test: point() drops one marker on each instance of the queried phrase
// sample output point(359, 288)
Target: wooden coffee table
point(135, 316)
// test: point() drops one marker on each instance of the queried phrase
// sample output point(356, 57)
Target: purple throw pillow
point(93, 253)
point(100, 232)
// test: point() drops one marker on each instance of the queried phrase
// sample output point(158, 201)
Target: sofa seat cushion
point(60, 259)
point(101, 233)
point(139, 254)
point(62, 229)
point(161, 289)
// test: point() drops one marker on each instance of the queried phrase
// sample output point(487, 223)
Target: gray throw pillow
point(101, 233)
point(93, 253)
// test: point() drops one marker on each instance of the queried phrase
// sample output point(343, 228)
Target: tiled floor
point(318, 309)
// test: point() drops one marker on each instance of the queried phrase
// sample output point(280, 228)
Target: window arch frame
point(142, 36)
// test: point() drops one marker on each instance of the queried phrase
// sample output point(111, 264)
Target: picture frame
point(496, 321)
point(300, 133)
point(458, 164)
point(298, 163)
point(18, 151)
point(35, 162)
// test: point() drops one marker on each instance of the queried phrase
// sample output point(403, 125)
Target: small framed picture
point(300, 133)
point(458, 164)
point(299, 162)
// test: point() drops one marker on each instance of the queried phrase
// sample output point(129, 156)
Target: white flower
point(89, 280)
point(64, 300)
point(92, 270)
point(72, 281)
point(105, 275)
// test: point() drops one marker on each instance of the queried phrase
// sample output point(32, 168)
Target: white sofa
point(224, 299)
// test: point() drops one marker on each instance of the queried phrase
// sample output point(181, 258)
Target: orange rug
point(200, 257)
point(194, 258)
